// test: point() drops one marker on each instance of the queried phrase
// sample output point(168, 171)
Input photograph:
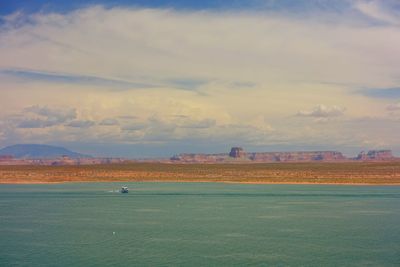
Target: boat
point(124, 189)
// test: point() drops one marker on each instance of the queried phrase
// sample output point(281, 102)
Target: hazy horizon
point(144, 79)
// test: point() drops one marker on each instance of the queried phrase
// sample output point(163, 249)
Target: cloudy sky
point(155, 78)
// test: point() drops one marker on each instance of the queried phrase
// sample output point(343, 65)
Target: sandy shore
point(196, 181)
point(377, 173)
point(316, 183)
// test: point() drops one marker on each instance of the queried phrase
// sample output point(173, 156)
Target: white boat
point(124, 189)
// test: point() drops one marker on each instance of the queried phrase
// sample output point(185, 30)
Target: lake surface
point(199, 224)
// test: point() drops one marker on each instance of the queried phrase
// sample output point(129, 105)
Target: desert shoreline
point(196, 181)
point(367, 173)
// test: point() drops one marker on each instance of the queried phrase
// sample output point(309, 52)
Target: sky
point(145, 79)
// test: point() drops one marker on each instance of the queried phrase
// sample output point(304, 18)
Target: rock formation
point(376, 155)
point(201, 158)
point(237, 152)
point(297, 156)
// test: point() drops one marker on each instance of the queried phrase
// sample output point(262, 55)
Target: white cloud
point(109, 122)
point(53, 115)
point(376, 10)
point(322, 111)
point(393, 107)
point(42, 117)
point(81, 123)
point(161, 45)
point(244, 75)
point(133, 127)
point(196, 124)
point(34, 123)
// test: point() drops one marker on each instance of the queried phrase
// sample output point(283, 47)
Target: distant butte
point(237, 154)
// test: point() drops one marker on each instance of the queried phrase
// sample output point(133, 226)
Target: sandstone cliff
point(375, 155)
point(200, 157)
point(237, 154)
point(297, 156)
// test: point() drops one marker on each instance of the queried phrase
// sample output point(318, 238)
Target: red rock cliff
point(375, 155)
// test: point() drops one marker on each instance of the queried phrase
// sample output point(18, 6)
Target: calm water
point(199, 224)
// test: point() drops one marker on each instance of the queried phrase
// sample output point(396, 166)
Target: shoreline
point(199, 181)
point(373, 174)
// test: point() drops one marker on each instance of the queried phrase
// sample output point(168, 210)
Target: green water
point(199, 224)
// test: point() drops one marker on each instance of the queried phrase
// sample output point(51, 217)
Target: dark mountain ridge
point(35, 151)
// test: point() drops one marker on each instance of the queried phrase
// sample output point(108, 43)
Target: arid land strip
point(373, 173)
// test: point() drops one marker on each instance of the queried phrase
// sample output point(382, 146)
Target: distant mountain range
point(54, 155)
point(33, 151)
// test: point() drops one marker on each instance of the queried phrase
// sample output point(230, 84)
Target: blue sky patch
point(7, 7)
point(72, 78)
point(382, 93)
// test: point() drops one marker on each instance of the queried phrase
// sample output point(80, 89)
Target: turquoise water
point(199, 224)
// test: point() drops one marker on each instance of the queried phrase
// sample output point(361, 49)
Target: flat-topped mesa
point(375, 155)
point(237, 155)
point(237, 152)
point(297, 156)
point(200, 158)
